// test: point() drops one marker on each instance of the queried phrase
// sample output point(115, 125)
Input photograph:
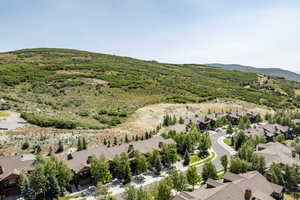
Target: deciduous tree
point(209, 171)
point(192, 176)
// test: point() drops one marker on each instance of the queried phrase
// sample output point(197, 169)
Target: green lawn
point(206, 160)
point(291, 195)
point(70, 197)
point(194, 158)
point(227, 141)
point(4, 114)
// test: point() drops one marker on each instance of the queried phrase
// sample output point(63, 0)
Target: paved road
point(218, 148)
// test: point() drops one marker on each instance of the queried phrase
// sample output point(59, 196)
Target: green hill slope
point(70, 88)
point(288, 75)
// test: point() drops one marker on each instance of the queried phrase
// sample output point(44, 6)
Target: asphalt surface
point(218, 148)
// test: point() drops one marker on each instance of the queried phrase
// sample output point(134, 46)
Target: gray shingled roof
point(275, 152)
point(235, 190)
point(80, 158)
point(13, 165)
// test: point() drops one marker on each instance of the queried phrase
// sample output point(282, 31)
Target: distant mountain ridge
point(288, 75)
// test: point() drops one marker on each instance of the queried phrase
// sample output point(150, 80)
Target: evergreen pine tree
point(38, 148)
point(157, 165)
point(186, 158)
point(60, 146)
point(146, 135)
point(79, 144)
point(181, 120)
point(84, 144)
point(50, 151)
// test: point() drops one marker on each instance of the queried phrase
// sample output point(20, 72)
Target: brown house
point(10, 167)
point(272, 130)
point(79, 161)
point(204, 122)
point(269, 131)
point(248, 186)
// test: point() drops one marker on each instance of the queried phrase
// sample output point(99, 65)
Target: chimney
point(293, 153)
point(269, 177)
point(130, 148)
point(89, 160)
point(248, 194)
point(70, 156)
point(160, 144)
point(1, 170)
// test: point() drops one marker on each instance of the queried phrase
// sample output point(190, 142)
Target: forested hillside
point(72, 89)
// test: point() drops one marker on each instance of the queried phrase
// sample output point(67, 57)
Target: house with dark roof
point(204, 122)
point(78, 161)
point(272, 130)
point(234, 117)
point(248, 186)
point(10, 167)
point(275, 152)
point(269, 131)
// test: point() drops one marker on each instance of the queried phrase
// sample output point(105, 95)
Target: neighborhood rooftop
point(275, 152)
point(235, 188)
point(13, 165)
point(79, 158)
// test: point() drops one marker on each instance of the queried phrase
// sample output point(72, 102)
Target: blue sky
point(261, 33)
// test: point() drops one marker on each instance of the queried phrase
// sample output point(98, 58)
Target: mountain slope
point(68, 88)
point(276, 72)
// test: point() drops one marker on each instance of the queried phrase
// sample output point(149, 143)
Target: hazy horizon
point(257, 33)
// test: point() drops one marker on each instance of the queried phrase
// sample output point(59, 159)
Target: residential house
point(275, 152)
point(79, 161)
point(205, 122)
point(248, 186)
point(272, 130)
point(234, 117)
point(269, 131)
point(10, 167)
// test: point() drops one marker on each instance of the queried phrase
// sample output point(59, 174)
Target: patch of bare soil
point(297, 92)
point(93, 81)
point(73, 72)
point(149, 117)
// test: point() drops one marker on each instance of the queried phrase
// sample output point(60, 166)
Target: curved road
point(218, 148)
